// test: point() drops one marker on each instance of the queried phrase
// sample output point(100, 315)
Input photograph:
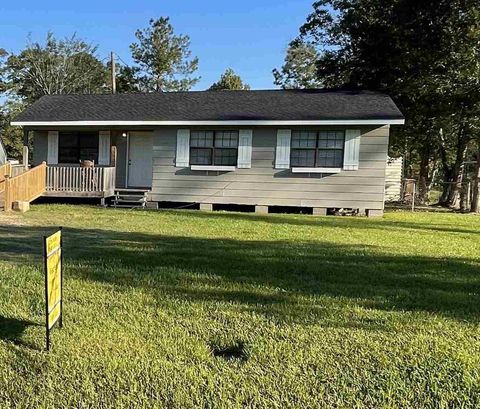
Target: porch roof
point(267, 107)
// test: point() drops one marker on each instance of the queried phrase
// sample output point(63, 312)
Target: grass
point(189, 309)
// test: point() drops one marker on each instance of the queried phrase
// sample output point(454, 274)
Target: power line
point(121, 59)
point(117, 57)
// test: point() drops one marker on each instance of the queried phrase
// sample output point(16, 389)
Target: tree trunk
point(475, 207)
point(423, 183)
point(456, 186)
point(453, 174)
point(446, 188)
point(447, 178)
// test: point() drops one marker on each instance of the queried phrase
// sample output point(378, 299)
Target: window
point(317, 149)
point(218, 148)
point(74, 147)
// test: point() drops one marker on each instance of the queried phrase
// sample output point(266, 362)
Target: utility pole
point(114, 81)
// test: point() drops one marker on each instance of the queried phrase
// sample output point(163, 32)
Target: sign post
point(52, 248)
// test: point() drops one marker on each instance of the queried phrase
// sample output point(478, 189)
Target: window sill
point(316, 170)
point(213, 168)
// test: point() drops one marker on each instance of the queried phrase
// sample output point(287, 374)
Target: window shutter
point(104, 148)
point(52, 154)
point(352, 149)
point(282, 157)
point(245, 149)
point(182, 159)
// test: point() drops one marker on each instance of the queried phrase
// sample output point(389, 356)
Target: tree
point(3, 56)
point(299, 69)
point(126, 77)
point(163, 58)
point(424, 54)
point(229, 81)
point(57, 67)
point(12, 137)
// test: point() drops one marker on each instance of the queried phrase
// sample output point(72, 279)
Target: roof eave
point(393, 121)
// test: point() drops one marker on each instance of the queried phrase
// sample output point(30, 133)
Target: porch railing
point(77, 181)
point(5, 171)
point(26, 186)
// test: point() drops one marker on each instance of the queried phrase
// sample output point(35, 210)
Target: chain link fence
point(462, 198)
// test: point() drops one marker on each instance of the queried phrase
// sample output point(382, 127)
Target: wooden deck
point(74, 181)
point(20, 184)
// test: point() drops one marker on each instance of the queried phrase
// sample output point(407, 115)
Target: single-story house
point(319, 149)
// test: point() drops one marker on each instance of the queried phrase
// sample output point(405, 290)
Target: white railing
point(72, 179)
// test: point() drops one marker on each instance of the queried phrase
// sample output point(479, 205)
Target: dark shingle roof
point(281, 105)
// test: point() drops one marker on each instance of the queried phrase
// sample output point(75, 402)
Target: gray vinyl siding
point(265, 185)
point(262, 184)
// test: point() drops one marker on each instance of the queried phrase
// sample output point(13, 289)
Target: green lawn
point(190, 309)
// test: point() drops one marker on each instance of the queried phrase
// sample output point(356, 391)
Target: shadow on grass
point(12, 329)
point(269, 277)
point(350, 222)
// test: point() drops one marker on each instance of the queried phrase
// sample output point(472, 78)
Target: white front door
point(140, 159)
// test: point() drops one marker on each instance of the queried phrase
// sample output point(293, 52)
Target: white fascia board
point(316, 170)
point(213, 168)
point(202, 123)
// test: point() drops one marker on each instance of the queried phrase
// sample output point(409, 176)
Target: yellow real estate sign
point(53, 281)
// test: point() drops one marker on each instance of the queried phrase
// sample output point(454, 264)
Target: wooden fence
point(77, 181)
point(26, 186)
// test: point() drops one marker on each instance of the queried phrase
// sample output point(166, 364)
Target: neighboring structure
point(3, 154)
point(319, 149)
point(393, 179)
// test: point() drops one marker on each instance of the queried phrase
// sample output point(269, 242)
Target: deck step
point(126, 206)
point(130, 198)
point(132, 190)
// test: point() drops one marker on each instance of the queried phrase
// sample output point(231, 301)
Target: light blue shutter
point(352, 149)
point(52, 153)
point(245, 149)
point(182, 158)
point(282, 157)
point(104, 148)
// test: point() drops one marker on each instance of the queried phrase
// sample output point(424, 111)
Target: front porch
point(92, 163)
point(86, 162)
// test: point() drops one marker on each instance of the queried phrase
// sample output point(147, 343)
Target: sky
point(250, 36)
